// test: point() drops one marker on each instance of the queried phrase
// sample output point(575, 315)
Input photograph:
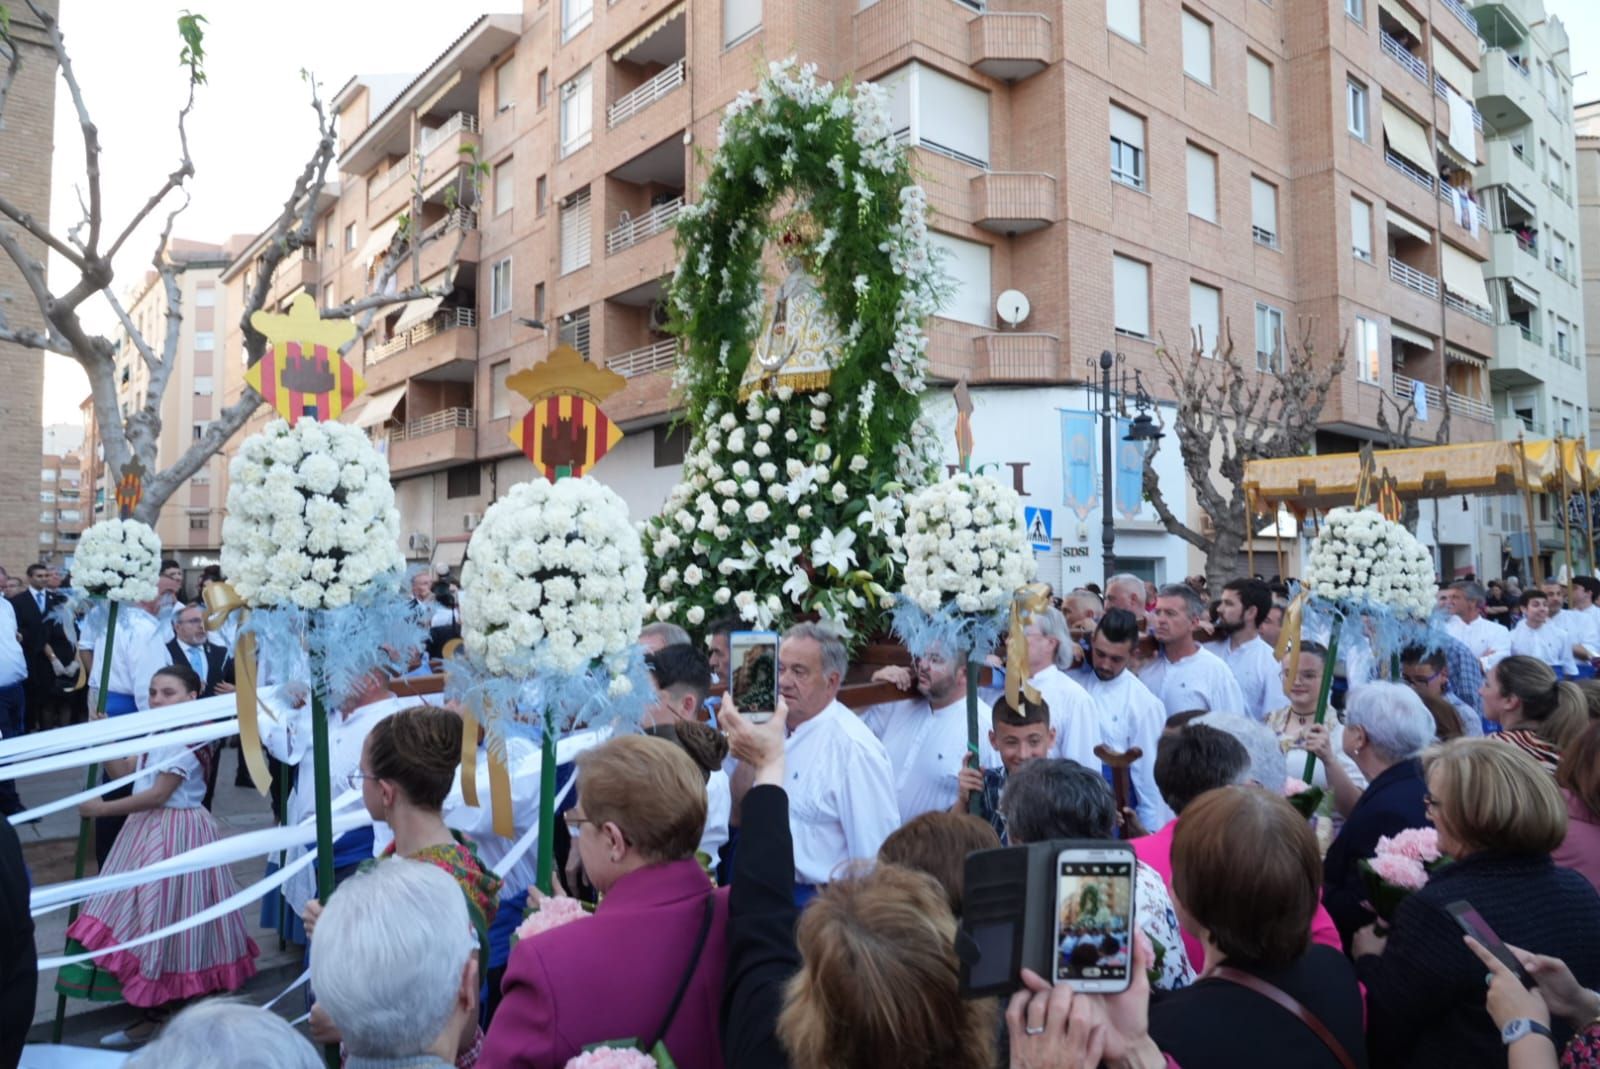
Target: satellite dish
point(1012, 306)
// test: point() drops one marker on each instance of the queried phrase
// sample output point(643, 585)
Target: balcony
point(1013, 202)
point(390, 191)
point(658, 356)
point(631, 231)
point(1519, 357)
point(1477, 210)
point(1397, 52)
point(1510, 428)
point(445, 346)
point(1010, 47)
point(1460, 404)
point(1407, 168)
point(1470, 309)
point(1440, 88)
point(1460, 12)
point(456, 235)
point(632, 103)
point(451, 129)
point(441, 439)
point(1018, 357)
point(1413, 279)
point(1506, 93)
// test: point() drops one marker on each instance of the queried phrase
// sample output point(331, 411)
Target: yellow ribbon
point(1289, 633)
point(469, 757)
point(499, 778)
point(221, 602)
point(1028, 600)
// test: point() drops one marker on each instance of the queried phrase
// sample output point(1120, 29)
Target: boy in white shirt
point(1537, 637)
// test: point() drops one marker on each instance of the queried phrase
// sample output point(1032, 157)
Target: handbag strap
point(688, 974)
point(1290, 1003)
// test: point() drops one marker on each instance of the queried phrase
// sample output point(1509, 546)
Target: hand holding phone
point(753, 673)
point(1094, 919)
point(1472, 922)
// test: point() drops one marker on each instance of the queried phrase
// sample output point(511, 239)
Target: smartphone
point(1473, 924)
point(1094, 918)
point(753, 673)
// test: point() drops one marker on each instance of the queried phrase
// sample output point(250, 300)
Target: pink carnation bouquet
point(551, 912)
point(620, 1056)
point(1400, 866)
point(1305, 798)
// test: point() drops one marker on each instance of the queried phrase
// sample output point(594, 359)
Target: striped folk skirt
point(218, 955)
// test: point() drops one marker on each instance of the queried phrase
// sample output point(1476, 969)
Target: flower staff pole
point(1326, 688)
point(964, 444)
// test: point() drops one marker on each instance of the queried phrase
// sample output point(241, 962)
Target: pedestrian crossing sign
point(1037, 521)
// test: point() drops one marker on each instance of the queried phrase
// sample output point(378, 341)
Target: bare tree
point(91, 245)
point(1240, 414)
point(1397, 435)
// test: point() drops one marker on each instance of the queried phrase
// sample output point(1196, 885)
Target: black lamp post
point(1143, 430)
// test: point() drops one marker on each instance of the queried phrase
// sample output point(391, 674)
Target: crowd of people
point(790, 891)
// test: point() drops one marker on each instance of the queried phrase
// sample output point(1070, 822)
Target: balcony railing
point(1525, 242)
point(1563, 355)
point(1263, 236)
point(1529, 333)
point(388, 178)
point(1471, 407)
point(448, 419)
point(631, 103)
point(1405, 167)
point(459, 219)
point(1468, 308)
point(631, 231)
point(1477, 209)
point(449, 319)
point(1411, 278)
point(1439, 87)
point(658, 356)
point(1463, 14)
point(1397, 52)
point(459, 123)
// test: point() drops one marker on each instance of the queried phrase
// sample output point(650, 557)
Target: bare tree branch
point(91, 132)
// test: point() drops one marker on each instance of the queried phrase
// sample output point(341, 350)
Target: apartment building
point(1137, 168)
point(1586, 122)
point(190, 523)
point(62, 510)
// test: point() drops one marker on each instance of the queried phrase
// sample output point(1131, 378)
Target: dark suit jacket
point(219, 669)
point(18, 965)
point(36, 630)
point(761, 951)
point(1391, 803)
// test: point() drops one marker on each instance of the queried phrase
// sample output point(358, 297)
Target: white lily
point(834, 550)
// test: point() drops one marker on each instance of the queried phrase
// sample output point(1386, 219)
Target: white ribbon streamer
point(531, 836)
point(299, 982)
point(83, 796)
point(125, 748)
point(112, 728)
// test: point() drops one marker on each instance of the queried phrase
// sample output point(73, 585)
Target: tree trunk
point(1222, 558)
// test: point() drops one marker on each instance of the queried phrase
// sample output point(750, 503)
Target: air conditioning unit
point(470, 521)
point(419, 542)
point(660, 318)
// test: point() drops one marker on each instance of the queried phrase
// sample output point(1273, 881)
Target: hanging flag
point(1419, 397)
point(1130, 471)
point(302, 375)
point(1078, 456)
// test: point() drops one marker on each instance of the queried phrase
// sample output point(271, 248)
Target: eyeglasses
point(1424, 680)
point(352, 782)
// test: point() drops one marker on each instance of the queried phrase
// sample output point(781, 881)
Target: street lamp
point(1143, 429)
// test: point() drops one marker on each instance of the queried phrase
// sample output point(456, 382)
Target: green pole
point(544, 875)
point(319, 764)
point(975, 803)
point(84, 824)
point(1326, 688)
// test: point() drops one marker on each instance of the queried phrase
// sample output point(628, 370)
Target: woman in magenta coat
point(1578, 776)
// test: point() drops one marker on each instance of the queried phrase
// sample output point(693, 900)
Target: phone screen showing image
point(1472, 922)
point(1094, 922)
point(753, 673)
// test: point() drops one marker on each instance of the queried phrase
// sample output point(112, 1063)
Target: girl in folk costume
point(165, 818)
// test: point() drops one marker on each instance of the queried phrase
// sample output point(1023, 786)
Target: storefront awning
point(1407, 137)
point(450, 555)
point(1325, 482)
point(379, 407)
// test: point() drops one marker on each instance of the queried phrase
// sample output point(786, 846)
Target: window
point(202, 386)
point(671, 443)
point(740, 19)
point(502, 87)
point(1361, 229)
point(1202, 184)
point(574, 331)
point(199, 429)
point(941, 113)
point(1368, 365)
point(577, 111)
point(500, 288)
point(205, 341)
point(349, 237)
point(48, 475)
point(1197, 48)
point(541, 193)
point(71, 516)
point(1205, 316)
point(1355, 107)
point(1356, 9)
point(504, 187)
point(47, 516)
point(499, 396)
point(199, 523)
point(46, 537)
point(1260, 84)
point(205, 296)
point(967, 265)
point(1264, 212)
point(1127, 148)
point(538, 301)
point(575, 237)
point(47, 497)
point(1269, 338)
point(1123, 17)
point(465, 480)
point(1130, 288)
point(575, 17)
point(544, 88)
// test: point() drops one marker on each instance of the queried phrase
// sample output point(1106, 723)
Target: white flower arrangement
point(966, 548)
point(311, 517)
point(554, 582)
point(119, 560)
point(1361, 557)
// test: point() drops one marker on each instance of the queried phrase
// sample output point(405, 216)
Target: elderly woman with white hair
point(224, 1032)
point(394, 965)
point(1386, 729)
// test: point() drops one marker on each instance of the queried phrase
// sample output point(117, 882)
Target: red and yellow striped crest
point(564, 434)
point(302, 374)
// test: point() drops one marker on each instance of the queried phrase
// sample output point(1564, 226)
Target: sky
point(252, 128)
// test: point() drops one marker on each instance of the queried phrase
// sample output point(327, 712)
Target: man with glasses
point(1428, 672)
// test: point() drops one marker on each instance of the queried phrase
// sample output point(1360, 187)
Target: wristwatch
point(1523, 1026)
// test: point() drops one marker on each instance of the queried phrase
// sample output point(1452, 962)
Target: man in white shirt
point(1488, 641)
point(1245, 604)
point(1585, 589)
point(1582, 634)
point(13, 697)
point(1183, 675)
point(841, 788)
point(1130, 715)
point(1073, 714)
point(925, 736)
point(1537, 636)
point(682, 678)
point(138, 640)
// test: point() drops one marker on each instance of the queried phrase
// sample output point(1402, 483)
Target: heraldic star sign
point(302, 374)
point(565, 432)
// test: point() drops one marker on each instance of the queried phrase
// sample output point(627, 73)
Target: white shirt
point(1582, 629)
point(1073, 715)
point(841, 793)
point(1488, 641)
point(1549, 644)
point(925, 747)
point(719, 807)
point(1256, 671)
point(137, 633)
point(1130, 715)
point(181, 762)
point(154, 657)
point(13, 666)
point(1198, 681)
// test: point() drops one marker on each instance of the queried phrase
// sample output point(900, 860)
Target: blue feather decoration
point(955, 632)
point(512, 706)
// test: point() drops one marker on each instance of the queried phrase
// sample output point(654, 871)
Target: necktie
point(197, 661)
point(38, 596)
